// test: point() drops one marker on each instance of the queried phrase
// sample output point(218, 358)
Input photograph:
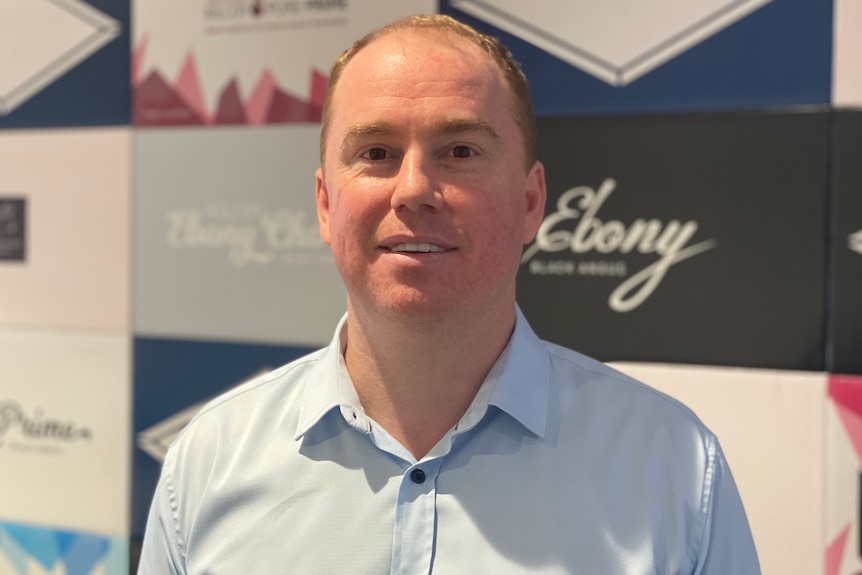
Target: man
point(437, 433)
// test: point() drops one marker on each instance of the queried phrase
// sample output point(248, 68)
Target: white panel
point(65, 430)
point(770, 425)
point(254, 43)
point(76, 184)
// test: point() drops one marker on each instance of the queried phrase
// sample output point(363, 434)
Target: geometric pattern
point(28, 550)
point(847, 393)
point(616, 41)
point(158, 102)
point(835, 552)
point(71, 31)
point(843, 470)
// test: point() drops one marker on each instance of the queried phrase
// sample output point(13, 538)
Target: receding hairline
point(443, 27)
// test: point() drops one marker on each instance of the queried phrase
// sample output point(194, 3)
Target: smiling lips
point(414, 248)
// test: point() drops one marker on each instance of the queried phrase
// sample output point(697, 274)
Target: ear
point(536, 195)
point(321, 194)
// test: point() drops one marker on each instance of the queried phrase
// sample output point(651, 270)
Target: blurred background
point(159, 245)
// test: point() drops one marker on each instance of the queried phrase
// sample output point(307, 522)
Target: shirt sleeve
point(727, 545)
point(161, 553)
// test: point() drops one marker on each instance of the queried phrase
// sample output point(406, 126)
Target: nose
point(416, 188)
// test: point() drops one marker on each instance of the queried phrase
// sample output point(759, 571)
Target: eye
point(462, 152)
point(375, 154)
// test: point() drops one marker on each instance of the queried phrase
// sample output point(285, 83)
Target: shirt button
point(417, 475)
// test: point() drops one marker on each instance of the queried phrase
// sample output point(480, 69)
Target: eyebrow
point(446, 126)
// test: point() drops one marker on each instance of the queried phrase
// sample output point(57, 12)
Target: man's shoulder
point(260, 397)
point(614, 393)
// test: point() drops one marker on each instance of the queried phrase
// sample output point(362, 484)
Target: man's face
point(425, 198)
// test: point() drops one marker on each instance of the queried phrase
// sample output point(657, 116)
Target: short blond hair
point(512, 74)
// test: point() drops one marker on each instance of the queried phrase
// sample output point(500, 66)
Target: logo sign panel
point(173, 380)
point(623, 56)
point(69, 199)
point(688, 239)
point(228, 246)
point(64, 449)
point(245, 61)
point(846, 317)
point(64, 62)
point(13, 228)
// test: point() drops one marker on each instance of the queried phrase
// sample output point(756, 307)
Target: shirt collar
point(518, 383)
point(327, 384)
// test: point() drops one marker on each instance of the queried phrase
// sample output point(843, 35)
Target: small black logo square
point(12, 229)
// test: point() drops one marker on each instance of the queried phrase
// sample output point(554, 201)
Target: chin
point(419, 306)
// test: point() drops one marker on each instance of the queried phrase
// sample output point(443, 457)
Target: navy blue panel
point(780, 54)
point(171, 375)
point(96, 92)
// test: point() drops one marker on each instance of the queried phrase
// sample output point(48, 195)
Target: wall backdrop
point(159, 245)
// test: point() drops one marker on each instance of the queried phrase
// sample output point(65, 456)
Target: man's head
point(426, 194)
point(501, 56)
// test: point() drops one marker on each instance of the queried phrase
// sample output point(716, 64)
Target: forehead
point(410, 69)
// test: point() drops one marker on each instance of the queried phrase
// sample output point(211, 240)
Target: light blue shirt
point(560, 465)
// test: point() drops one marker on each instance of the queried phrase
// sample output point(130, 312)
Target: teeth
point(423, 248)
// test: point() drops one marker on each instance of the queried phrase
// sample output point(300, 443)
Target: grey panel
point(227, 244)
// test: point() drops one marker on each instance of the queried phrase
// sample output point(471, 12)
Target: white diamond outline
point(156, 439)
point(854, 242)
point(105, 30)
point(593, 64)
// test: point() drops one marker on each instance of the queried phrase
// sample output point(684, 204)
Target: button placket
point(414, 539)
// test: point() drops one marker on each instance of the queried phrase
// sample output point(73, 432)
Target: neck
point(416, 379)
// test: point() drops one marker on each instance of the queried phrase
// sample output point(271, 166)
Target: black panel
point(742, 195)
point(847, 244)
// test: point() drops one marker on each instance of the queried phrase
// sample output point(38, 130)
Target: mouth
point(421, 248)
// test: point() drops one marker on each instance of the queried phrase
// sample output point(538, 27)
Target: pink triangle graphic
point(319, 82)
point(853, 427)
point(847, 391)
point(835, 552)
point(189, 88)
point(257, 105)
point(138, 60)
point(230, 109)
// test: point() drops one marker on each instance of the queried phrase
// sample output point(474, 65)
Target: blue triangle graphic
point(83, 555)
point(40, 544)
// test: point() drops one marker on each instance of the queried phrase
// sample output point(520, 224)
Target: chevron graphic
point(617, 41)
point(70, 31)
